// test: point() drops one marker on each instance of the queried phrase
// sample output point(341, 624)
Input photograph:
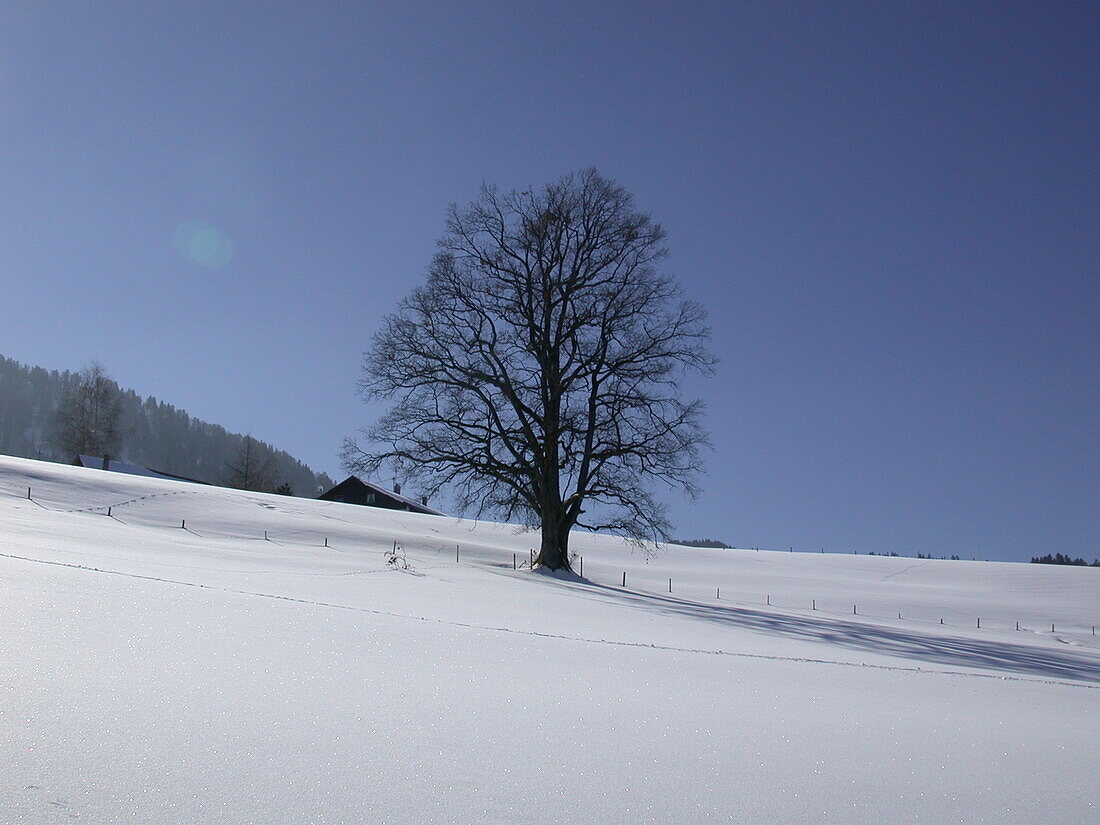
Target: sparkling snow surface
point(157, 674)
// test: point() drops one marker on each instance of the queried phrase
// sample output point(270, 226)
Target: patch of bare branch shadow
point(953, 651)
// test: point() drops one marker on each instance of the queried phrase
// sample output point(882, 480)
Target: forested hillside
point(157, 435)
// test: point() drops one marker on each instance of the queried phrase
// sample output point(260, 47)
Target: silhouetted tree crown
point(89, 419)
point(536, 373)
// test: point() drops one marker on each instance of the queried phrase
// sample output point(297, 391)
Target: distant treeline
point(1059, 558)
point(157, 435)
point(720, 545)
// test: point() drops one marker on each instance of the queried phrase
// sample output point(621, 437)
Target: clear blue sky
point(892, 211)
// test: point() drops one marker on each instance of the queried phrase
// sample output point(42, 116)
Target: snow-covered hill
point(164, 662)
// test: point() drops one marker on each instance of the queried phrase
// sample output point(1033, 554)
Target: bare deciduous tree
point(88, 420)
point(537, 372)
point(251, 469)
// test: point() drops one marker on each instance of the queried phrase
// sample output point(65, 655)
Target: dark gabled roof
point(353, 490)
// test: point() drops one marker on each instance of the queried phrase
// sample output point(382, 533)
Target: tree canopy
point(88, 420)
point(537, 372)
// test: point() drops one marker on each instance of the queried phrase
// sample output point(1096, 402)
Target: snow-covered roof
point(115, 465)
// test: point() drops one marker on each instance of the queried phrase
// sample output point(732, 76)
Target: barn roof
point(356, 484)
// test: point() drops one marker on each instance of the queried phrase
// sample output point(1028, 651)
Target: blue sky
point(891, 210)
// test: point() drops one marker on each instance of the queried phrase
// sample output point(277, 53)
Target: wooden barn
point(353, 490)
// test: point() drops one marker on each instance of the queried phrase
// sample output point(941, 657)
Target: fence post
point(979, 621)
point(1017, 625)
point(28, 492)
point(624, 578)
point(580, 565)
point(326, 541)
point(853, 610)
point(670, 585)
point(514, 566)
point(813, 602)
point(456, 552)
point(718, 595)
point(768, 599)
point(183, 524)
point(108, 511)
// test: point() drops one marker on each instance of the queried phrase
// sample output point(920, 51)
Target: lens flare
point(203, 244)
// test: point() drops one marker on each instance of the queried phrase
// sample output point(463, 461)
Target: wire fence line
point(527, 561)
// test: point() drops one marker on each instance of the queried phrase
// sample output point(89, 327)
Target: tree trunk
point(554, 549)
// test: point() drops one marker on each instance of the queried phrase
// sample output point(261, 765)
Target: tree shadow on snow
point(954, 651)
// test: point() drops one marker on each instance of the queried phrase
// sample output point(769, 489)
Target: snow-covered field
point(153, 673)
